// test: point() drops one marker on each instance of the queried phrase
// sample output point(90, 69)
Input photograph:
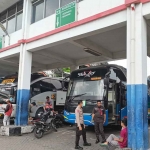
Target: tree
point(66, 69)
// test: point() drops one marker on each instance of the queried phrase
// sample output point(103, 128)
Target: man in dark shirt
point(99, 118)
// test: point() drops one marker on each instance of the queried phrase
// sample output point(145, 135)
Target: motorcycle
point(44, 124)
point(59, 120)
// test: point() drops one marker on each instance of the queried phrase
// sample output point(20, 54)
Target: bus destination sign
point(86, 74)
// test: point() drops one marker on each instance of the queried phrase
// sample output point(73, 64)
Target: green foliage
point(66, 69)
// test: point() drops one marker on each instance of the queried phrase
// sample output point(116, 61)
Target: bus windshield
point(94, 89)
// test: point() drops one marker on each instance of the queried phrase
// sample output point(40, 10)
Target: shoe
point(103, 144)
point(87, 144)
point(103, 141)
point(97, 141)
point(79, 147)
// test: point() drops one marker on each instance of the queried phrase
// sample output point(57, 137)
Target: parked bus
point(41, 86)
point(106, 83)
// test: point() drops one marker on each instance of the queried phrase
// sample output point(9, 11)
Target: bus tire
point(40, 110)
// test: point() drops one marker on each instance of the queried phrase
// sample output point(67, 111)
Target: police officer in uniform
point(99, 118)
point(80, 127)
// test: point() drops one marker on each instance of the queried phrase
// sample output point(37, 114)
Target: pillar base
point(15, 130)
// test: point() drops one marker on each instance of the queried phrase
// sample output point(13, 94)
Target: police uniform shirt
point(79, 116)
point(98, 114)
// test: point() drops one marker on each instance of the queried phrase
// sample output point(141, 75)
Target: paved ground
point(61, 140)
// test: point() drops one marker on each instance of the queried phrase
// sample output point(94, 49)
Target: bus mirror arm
point(107, 74)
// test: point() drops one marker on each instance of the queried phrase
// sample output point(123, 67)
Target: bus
point(106, 83)
point(40, 87)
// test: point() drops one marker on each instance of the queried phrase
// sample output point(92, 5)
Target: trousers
point(111, 141)
point(6, 120)
point(99, 130)
point(79, 133)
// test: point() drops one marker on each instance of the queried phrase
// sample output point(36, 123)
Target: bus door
point(121, 105)
point(122, 101)
point(111, 102)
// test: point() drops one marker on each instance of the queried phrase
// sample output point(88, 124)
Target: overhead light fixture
point(91, 51)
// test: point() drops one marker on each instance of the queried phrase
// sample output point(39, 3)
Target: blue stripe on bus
point(22, 107)
point(70, 118)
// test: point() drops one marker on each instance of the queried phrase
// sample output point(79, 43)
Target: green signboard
point(1, 42)
point(65, 15)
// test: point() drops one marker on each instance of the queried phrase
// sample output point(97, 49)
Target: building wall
point(86, 8)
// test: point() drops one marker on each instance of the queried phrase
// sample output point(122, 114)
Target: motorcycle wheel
point(38, 133)
point(58, 123)
point(54, 126)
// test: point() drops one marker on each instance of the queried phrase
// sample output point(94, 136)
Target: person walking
point(8, 111)
point(99, 117)
point(80, 127)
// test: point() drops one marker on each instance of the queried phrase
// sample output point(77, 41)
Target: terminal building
point(39, 35)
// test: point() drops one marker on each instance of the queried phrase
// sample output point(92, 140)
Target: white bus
point(41, 86)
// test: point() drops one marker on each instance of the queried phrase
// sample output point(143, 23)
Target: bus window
point(46, 85)
point(57, 84)
point(35, 89)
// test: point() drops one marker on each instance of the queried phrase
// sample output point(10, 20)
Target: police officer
point(80, 127)
point(99, 118)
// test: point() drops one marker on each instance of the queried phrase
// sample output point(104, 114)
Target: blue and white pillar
point(25, 63)
point(23, 93)
point(137, 78)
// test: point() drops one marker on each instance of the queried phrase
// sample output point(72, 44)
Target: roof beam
point(54, 56)
point(52, 66)
point(10, 63)
point(90, 60)
point(89, 44)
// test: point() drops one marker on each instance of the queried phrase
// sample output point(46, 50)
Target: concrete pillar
point(137, 78)
point(25, 63)
point(23, 93)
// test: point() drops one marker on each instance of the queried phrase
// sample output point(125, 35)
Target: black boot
point(97, 141)
point(79, 147)
point(87, 144)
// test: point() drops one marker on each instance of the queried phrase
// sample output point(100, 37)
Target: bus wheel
point(40, 110)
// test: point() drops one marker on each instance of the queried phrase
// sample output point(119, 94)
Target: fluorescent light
point(93, 52)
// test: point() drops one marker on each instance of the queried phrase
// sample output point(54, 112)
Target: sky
point(124, 64)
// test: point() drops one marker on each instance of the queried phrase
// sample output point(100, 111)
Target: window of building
point(65, 2)
point(51, 6)
point(38, 11)
point(19, 21)
point(1, 31)
point(12, 18)
point(3, 16)
point(12, 11)
point(11, 25)
point(45, 8)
